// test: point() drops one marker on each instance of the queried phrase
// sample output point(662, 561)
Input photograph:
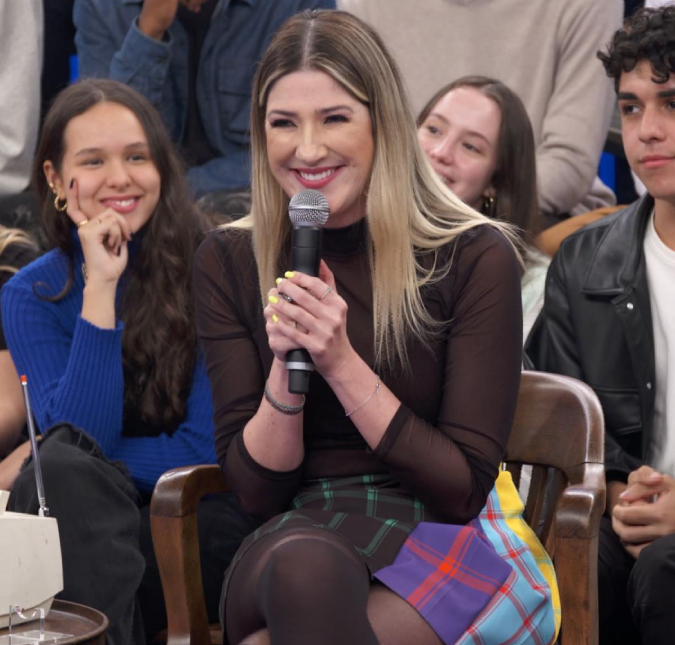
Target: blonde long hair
point(409, 211)
point(9, 237)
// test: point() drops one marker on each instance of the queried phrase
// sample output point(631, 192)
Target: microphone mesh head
point(308, 208)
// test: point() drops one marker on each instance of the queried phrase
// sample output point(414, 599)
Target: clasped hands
point(308, 312)
point(645, 510)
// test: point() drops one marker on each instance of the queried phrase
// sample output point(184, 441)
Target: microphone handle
point(305, 257)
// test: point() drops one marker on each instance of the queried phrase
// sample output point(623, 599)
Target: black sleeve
point(228, 315)
point(452, 464)
point(553, 347)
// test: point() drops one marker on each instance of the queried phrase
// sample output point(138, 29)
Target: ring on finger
point(327, 292)
point(82, 223)
point(285, 297)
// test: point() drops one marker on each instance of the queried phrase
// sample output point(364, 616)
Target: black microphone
point(309, 213)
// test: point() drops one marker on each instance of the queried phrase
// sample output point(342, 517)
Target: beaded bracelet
point(375, 391)
point(282, 407)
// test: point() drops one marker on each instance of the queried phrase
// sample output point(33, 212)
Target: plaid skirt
point(489, 582)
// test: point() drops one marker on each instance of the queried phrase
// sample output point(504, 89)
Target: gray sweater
point(20, 67)
point(542, 49)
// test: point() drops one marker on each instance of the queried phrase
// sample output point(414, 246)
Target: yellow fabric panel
point(512, 507)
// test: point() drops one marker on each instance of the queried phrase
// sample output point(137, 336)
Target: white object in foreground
point(31, 571)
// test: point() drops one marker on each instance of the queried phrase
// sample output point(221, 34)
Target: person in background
point(194, 60)
point(414, 327)
point(103, 327)
point(16, 250)
point(21, 31)
point(59, 48)
point(609, 320)
point(568, 100)
point(478, 137)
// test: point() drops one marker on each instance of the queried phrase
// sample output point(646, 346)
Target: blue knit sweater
point(75, 373)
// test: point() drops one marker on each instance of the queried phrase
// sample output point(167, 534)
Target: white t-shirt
point(660, 261)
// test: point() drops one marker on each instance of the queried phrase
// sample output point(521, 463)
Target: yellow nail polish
point(279, 280)
point(289, 274)
point(273, 300)
point(275, 318)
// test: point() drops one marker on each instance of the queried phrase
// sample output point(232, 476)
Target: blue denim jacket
point(109, 44)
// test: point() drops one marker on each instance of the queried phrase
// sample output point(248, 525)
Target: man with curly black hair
point(609, 320)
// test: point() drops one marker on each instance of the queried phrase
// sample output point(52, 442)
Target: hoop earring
point(60, 207)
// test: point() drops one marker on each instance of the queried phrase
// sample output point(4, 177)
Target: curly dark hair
point(648, 35)
point(159, 341)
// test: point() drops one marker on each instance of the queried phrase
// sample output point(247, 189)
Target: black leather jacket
point(596, 326)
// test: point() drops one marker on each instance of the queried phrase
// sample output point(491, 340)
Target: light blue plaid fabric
point(523, 611)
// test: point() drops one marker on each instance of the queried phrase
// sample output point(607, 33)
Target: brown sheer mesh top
point(458, 397)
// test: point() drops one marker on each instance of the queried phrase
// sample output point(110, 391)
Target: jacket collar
point(619, 256)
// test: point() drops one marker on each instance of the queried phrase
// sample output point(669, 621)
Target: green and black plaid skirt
point(374, 513)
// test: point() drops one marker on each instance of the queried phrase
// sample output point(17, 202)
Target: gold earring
point(60, 207)
point(488, 204)
point(51, 186)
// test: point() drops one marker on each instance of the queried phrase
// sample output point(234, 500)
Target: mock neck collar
point(347, 241)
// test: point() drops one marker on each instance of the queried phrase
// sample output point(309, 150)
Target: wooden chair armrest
point(576, 555)
point(549, 241)
point(173, 522)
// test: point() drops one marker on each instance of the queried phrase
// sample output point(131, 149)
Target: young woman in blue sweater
point(103, 326)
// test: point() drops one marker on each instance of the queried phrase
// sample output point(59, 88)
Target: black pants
point(104, 527)
point(637, 597)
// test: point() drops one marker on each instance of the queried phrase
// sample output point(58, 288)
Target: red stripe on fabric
point(436, 559)
point(526, 619)
point(513, 551)
point(447, 567)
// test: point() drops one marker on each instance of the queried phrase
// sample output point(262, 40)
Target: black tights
point(308, 586)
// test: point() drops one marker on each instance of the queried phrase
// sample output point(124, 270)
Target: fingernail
point(72, 182)
point(273, 300)
point(289, 274)
point(279, 280)
point(275, 319)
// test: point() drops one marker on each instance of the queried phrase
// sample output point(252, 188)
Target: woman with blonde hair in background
point(375, 481)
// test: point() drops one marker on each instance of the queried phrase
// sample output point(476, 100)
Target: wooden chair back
point(559, 432)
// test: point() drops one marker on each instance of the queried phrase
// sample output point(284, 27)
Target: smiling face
point(106, 152)
point(319, 136)
point(648, 130)
point(460, 137)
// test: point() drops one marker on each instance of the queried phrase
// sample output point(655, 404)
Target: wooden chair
point(558, 430)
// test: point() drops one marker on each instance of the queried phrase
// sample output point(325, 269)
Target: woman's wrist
point(344, 371)
point(277, 386)
point(98, 304)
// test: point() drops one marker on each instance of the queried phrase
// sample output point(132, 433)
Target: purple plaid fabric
point(442, 566)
